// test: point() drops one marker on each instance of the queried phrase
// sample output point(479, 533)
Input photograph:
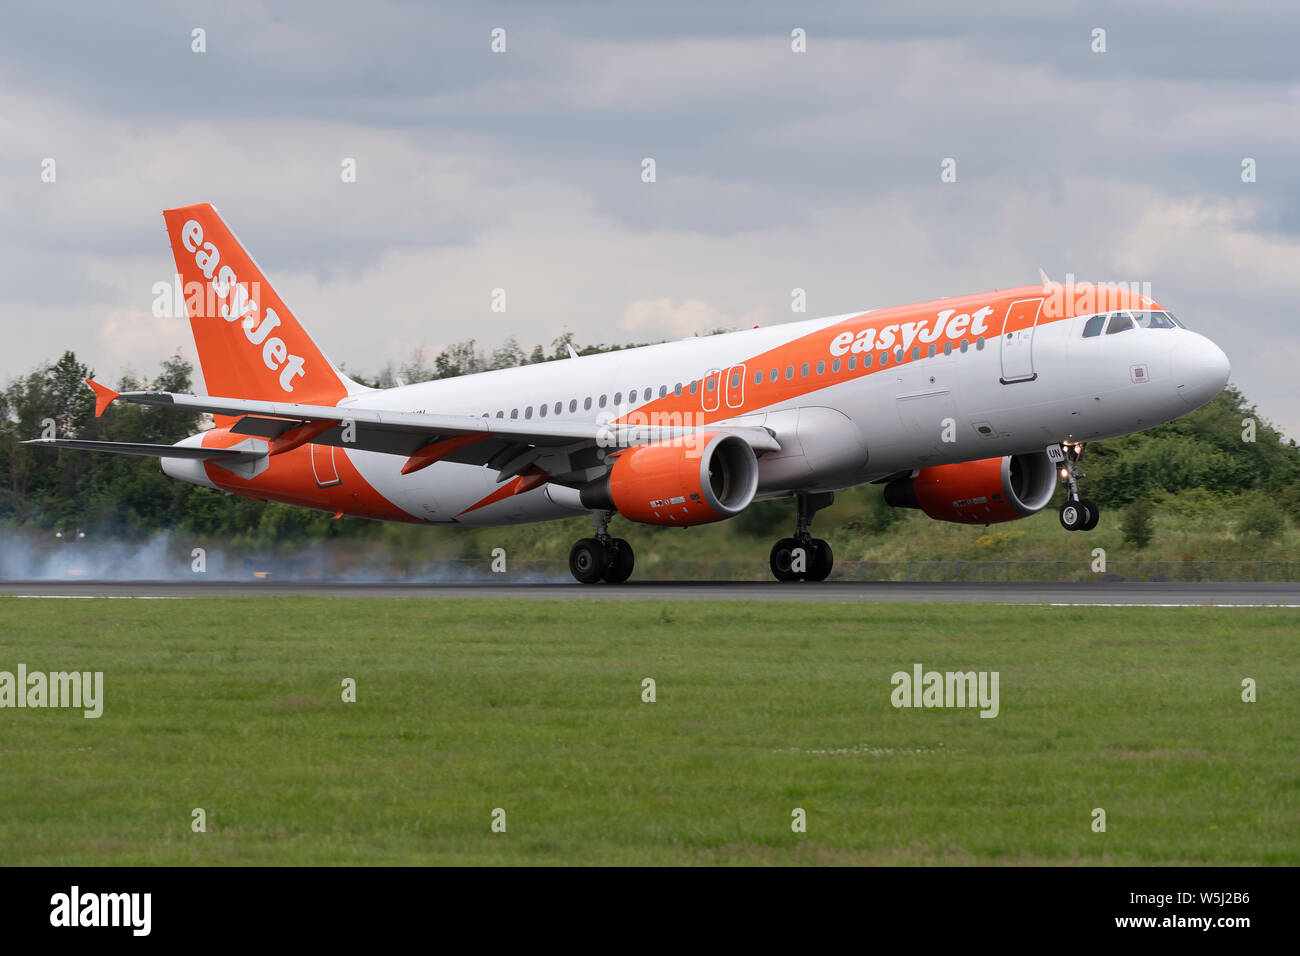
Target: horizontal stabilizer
point(155, 451)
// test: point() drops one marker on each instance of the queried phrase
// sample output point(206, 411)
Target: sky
point(774, 169)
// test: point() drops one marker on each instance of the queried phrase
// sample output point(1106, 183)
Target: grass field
point(463, 707)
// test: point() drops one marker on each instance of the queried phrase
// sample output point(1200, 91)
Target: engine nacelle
point(979, 492)
point(668, 483)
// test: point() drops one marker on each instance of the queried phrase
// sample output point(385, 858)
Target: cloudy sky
point(522, 170)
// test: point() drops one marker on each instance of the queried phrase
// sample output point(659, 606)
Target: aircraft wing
point(511, 446)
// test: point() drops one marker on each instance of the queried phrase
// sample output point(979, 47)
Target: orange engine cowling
point(979, 492)
point(713, 477)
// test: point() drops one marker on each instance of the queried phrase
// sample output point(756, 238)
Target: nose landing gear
point(601, 558)
point(804, 557)
point(1077, 514)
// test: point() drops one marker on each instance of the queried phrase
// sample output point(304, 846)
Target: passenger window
point(735, 380)
point(1119, 322)
point(884, 358)
point(618, 398)
point(695, 387)
point(573, 405)
point(963, 346)
point(835, 367)
point(789, 372)
point(501, 414)
point(586, 404)
point(514, 413)
point(898, 355)
point(979, 344)
point(947, 348)
point(602, 401)
point(711, 384)
point(821, 368)
point(853, 362)
point(677, 389)
point(528, 412)
point(803, 372)
point(663, 391)
point(758, 377)
point(541, 410)
point(559, 407)
point(1092, 327)
point(773, 375)
point(866, 361)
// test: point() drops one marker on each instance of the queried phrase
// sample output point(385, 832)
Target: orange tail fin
point(249, 343)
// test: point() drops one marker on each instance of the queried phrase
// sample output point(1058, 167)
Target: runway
point(1122, 593)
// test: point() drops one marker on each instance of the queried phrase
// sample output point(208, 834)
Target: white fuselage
point(842, 429)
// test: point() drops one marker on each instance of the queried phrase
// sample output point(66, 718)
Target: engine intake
point(672, 483)
point(979, 492)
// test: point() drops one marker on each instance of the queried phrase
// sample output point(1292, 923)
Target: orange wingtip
point(104, 396)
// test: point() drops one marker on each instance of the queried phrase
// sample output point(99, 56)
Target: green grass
point(535, 707)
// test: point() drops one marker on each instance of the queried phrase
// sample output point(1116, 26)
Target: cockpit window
point(1093, 326)
point(1153, 320)
point(1119, 322)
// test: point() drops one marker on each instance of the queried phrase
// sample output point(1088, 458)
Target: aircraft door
point(1018, 341)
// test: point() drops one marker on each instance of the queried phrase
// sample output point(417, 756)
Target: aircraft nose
point(1200, 370)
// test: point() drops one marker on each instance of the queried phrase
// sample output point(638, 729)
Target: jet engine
point(978, 492)
point(683, 482)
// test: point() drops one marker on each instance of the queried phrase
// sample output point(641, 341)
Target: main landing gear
point(1077, 514)
point(601, 558)
point(803, 557)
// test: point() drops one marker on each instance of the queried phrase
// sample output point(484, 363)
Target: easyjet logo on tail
point(236, 303)
point(949, 324)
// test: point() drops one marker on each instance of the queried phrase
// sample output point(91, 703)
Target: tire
point(820, 562)
point(621, 562)
point(779, 560)
point(587, 560)
point(1073, 515)
point(1094, 514)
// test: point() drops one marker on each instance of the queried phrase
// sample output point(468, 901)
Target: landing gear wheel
point(781, 559)
point(587, 560)
point(1094, 514)
point(820, 561)
point(621, 561)
point(1073, 515)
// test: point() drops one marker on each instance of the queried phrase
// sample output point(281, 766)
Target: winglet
point(104, 396)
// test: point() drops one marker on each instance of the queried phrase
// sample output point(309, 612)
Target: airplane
point(968, 408)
